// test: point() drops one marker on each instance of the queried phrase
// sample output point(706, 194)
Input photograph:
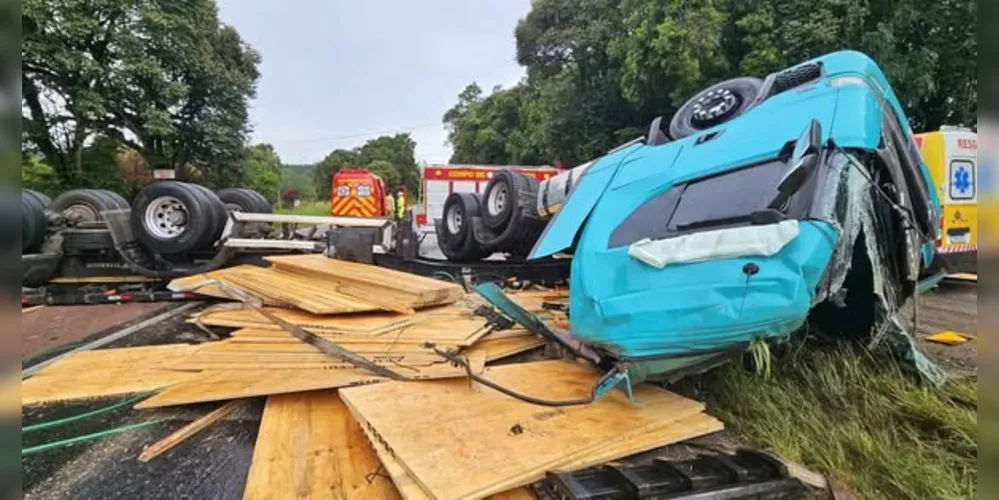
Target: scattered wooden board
point(308, 447)
point(180, 435)
point(495, 349)
point(308, 293)
point(205, 284)
point(453, 328)
point(249, 340)
point(225, 384)
point(238, 384)
point(106, 373)
point(378, 285)
point(457, 442)
point(26, 310)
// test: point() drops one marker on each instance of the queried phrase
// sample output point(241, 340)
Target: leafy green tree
point(322, 174)
point(299, 178)
point(386, 171)
point(398, 151)
point(38, 175)
point(600, 70)
point(162, 77)
point(263, 171)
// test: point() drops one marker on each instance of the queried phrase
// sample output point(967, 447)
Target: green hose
point(27, 362)
point(88, 437)
point(83, 416)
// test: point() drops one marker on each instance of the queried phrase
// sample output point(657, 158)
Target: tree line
point(599, 71)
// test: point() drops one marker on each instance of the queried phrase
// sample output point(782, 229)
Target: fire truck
point(439, 181)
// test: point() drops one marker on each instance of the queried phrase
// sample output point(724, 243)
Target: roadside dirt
point(952, 306)
point(55, 326)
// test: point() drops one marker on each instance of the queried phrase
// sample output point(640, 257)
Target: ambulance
point(441, 180)
point(952, 157)
point(358, 193)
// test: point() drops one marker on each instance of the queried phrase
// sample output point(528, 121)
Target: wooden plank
point(205, 284)
point(308, 293)
point(368, 282)
point(246, 341)
point(226, 384)
point(106, 373)
point(180, 435)
point(495, 349)
point(238, 384)
point(309, 447)
point(451, 329)
point(458, 442)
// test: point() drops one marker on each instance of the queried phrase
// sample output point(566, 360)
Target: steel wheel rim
point(497, 200)
point(82, 212)
point(165, 218)
point(455, 219)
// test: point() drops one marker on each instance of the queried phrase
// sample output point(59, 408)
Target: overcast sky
point(338, 72)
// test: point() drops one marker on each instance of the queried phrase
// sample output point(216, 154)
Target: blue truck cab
point(791, 198)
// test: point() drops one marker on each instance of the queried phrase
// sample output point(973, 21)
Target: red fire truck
point(441, 180)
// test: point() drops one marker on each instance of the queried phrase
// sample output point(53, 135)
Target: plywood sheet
point(496, 349)
point(107, 373)
point(225, 382)
point(264, 341)
point(452, 328)
point(309, 293)
point(309, 447)
point(206, 284)
point(236, 384)
point(457, 442)
point(373, 283)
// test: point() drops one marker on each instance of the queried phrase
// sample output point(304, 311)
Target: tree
point(322, 174)
point(397, 151)
point(386, 171)
point(263, 171)
point(163, 77)
point(599, 71)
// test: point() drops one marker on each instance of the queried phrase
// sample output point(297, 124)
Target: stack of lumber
point(319, 285)
point(334, 429)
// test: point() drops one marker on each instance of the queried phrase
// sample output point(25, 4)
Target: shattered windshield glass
point(711, 202)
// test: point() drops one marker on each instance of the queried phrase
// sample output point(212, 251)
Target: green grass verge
point(308, 208)
point(856, 418)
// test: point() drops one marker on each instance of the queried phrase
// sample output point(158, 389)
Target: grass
point(856, 418)
point(308, 208)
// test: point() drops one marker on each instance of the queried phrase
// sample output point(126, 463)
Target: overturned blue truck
point(766, 206)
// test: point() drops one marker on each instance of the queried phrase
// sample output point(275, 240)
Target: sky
point(335, 73)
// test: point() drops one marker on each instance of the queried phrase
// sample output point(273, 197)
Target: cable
point(459, 361)
point(86, 437)
point(84, 416)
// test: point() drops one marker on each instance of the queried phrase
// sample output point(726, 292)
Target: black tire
point(501, 197)
point(86, 240)
point(219, 216)
point(34, 223)
point(175, 227)
point(244, 200)
point(522, 230)
point(455, 237)
point(688, 120)
point(41, 197)
point(86, 205)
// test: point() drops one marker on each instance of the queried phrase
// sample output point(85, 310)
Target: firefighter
point(400, 203)
point(389, 204)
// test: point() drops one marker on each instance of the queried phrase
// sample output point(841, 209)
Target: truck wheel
point(41, 197)
point(244, 200)
point(219, 216)
point(715, 105)
point(33, 221)
point(176, 217)
point(86, 205)
point(455, 230)
point(501, 197)
point(82, 240)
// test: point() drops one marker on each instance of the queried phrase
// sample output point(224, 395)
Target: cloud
point(335, 74)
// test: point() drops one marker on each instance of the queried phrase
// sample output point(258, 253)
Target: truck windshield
point(719, 200)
